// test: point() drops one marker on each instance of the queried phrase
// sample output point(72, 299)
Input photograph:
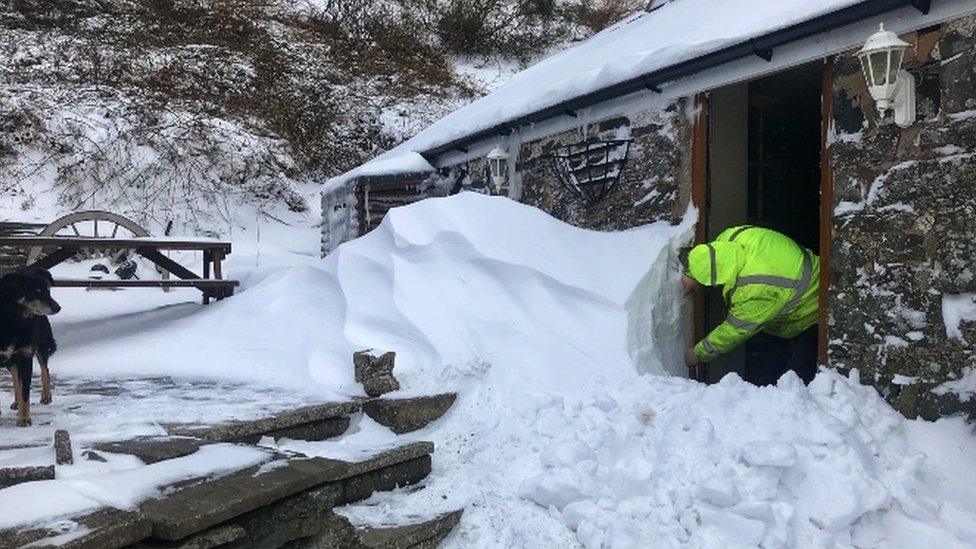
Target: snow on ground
point(568, 430)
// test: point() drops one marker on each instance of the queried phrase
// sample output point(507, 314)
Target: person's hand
point(690, 358)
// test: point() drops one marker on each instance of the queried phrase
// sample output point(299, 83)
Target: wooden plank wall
point(375, 199)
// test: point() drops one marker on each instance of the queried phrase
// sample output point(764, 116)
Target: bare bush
point(597, 15)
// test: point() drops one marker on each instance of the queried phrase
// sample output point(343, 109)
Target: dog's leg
point(22, 381)
point(46, 385)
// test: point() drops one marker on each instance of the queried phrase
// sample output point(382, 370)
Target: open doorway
point(763, 169)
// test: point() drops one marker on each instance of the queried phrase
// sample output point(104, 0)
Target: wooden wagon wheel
point(92, 223)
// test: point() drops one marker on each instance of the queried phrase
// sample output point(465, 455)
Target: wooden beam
point(95, 243)
point(173, 267)
point(826, 203)
point(54, 258)
point(170, 283)
point(699, 197)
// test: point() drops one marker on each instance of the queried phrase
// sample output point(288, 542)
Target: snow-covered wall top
point(644, 42)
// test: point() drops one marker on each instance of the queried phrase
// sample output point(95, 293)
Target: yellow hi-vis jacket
point(770, 283)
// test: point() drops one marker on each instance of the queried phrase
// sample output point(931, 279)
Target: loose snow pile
point(567, 430)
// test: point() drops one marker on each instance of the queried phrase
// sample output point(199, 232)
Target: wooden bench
point(65, 247)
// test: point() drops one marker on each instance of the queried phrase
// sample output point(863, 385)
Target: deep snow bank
point(462, 280)
point(665, 462)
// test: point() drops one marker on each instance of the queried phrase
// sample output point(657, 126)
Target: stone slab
point(295, 517)
point(252, 430)
point(375, 372)
point(362, 486)
point(315, 430)
point(153, 449)
point(220, 536)
point(196, 508)
point(207, 504)
point(420, 535)
point(404, 415)
point(105, 528)
point(10, 476)
point(62, 448)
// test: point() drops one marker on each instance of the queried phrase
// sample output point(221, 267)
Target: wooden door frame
point(826, 203)
point(700, 199)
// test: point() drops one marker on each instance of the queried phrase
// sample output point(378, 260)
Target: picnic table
point(65, 247)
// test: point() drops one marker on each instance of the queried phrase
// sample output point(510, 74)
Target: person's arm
point(744, 320)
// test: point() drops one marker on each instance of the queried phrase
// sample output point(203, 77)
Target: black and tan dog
point(25, 302)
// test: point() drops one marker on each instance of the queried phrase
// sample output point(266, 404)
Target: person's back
point(770, 284)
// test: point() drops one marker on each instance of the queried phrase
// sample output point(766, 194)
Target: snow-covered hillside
point(203, 116)
point(569, 429)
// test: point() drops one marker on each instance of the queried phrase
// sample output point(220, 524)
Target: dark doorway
point(764, 169)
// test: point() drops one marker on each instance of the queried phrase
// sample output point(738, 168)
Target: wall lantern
point(498, 167)
point(890, 86)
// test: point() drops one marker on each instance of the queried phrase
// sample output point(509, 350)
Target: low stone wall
point(904, 230)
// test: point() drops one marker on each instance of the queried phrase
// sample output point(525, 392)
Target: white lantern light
point(891, 87)
point(498, 167)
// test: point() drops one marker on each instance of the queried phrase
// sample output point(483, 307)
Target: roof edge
point(761, 46)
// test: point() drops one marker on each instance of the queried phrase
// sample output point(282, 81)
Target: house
point(764, 118)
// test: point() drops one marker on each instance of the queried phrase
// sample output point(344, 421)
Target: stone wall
point(904, 229)
point(654, 185)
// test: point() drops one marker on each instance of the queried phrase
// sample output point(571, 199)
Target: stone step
point(105, 528)
point(153, 449)
point(341, 534)
point(253, 498)
point(316, 422)
point(265, 505)
point(422, 535)
point(404, 415)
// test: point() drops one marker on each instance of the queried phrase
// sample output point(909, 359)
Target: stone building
point(768, 121)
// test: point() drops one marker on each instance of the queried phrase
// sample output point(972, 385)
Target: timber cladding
point(377, 196)
point(904, 234)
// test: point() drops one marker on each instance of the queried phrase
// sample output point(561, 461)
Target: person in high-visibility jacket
point(770, 284)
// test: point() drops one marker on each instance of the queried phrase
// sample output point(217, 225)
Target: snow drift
point(446, 281)
point(565, 433)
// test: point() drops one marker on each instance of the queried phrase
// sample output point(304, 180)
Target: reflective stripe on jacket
point(770, 283)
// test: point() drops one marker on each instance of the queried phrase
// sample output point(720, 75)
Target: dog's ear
point(46, 274)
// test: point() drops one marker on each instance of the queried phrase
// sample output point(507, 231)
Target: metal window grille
point(592, 168)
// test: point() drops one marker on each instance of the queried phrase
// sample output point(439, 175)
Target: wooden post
point(699, 197)
point(826, 203)
point(207, 258)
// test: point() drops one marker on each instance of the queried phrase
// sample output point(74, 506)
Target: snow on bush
point(95, 149)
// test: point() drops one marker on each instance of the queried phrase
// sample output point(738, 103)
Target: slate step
point(341, 534)
point(153, 449)
point(202, 506)
point(316, 422)
point(266, 505)
point(404, 415)
point(102, 529)
point(10, 476)
point(422, 535)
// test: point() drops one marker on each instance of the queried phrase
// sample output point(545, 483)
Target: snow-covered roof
point(645, 42)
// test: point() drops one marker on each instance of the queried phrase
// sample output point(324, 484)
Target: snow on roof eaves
point(402, 163)
point(647, 42)
point(640, 44)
